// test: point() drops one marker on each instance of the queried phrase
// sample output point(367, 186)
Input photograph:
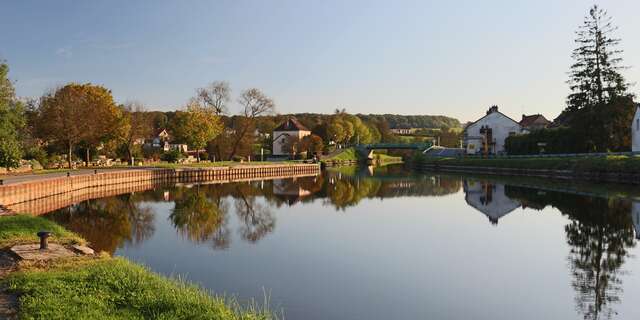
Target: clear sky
point(421, 57)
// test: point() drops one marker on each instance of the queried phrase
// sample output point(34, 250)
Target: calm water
point(352, 244)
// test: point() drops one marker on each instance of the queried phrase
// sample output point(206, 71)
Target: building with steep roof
point(287, 134)
point(533, 122)
point(487, 135)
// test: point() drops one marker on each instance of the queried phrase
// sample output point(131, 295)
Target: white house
point(635, 131)
point(288, 132)
point(488, 134)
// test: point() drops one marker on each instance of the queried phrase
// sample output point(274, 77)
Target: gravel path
point(8, 302)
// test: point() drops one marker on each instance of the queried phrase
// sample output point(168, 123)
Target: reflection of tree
point(257, 219)
point(201, 219)
point(598, 251)
point(599, 234)
point(108, 223)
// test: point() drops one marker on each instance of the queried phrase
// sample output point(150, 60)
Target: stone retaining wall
point(44, 195)
point(616, 177)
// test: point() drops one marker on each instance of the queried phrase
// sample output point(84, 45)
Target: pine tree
point(594, 77)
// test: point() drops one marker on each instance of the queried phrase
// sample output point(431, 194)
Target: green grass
point(22, 229)
point(386, 158)
point(348, 154)
point(624, 164)
point(115, 288)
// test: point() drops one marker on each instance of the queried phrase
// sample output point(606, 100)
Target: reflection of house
point(489, 133)
point(287, 133)
point(289, 190)
point(489, 198)
point(635, 215)
point(533, 122)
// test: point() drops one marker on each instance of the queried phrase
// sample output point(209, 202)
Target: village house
point(635, 131)
point(533, 122)
point(487, 135)
point(287, 133)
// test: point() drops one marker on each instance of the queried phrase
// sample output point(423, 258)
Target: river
point(387, 243)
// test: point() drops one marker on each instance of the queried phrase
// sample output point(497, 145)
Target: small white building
point(635, 131)
point(488, 134)
point(288, 132)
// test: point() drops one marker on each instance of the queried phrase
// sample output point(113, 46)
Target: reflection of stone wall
point(41, 196)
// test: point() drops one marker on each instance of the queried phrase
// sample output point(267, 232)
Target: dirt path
point(8, 302)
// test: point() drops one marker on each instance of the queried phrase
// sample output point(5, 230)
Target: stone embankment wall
point(45, 195)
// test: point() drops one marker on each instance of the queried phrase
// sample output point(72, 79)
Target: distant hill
point(397, 121)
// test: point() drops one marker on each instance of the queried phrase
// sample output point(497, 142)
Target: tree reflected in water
point(257, 219)
point(108, 223)
point(200, 218)
point(600, 234)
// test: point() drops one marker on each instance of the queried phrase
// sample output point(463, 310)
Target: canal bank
point(45, 194)
point(617, 169)
point(91, 286)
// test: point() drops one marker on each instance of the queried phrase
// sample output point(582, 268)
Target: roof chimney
point(493, 109)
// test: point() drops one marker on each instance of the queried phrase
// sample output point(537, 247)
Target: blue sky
point(410, 57)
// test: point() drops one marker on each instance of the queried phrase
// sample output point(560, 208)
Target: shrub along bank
point(578, 165)
point(103, 287)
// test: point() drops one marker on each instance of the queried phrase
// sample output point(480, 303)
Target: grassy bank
point(22, 229)
point(103, 287)
point(613, 164)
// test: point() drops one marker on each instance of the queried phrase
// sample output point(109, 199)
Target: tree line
point(599, 109)
point(78, 121)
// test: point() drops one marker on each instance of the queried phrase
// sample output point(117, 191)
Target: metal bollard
point(95, 171)
point(68, 174)
point(1, 182)
point(43, 235)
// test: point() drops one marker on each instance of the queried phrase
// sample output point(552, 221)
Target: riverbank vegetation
point(21, 229)
point(600, 108)
point(103, 287)
point(82, 124)
point(608, 164)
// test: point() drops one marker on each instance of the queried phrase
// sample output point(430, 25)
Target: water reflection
point(108, 223)
point(200, 218)
point(600, 232)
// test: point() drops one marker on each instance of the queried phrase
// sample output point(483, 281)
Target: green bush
point(172, 156)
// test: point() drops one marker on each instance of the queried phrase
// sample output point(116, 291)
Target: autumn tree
point(254, 103)
point(136, 126)
point(196, 126)
point(311, 144)
point(11, 121)
point(78, 113)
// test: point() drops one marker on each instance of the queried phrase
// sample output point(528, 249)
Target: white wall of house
point(280, 140)
point(635, 131)
point(635, 216)
point(501, 125)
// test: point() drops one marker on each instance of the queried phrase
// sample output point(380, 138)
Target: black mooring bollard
point(95, 171)
point(43, 235)
point(1, 182)
point(68, 174)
